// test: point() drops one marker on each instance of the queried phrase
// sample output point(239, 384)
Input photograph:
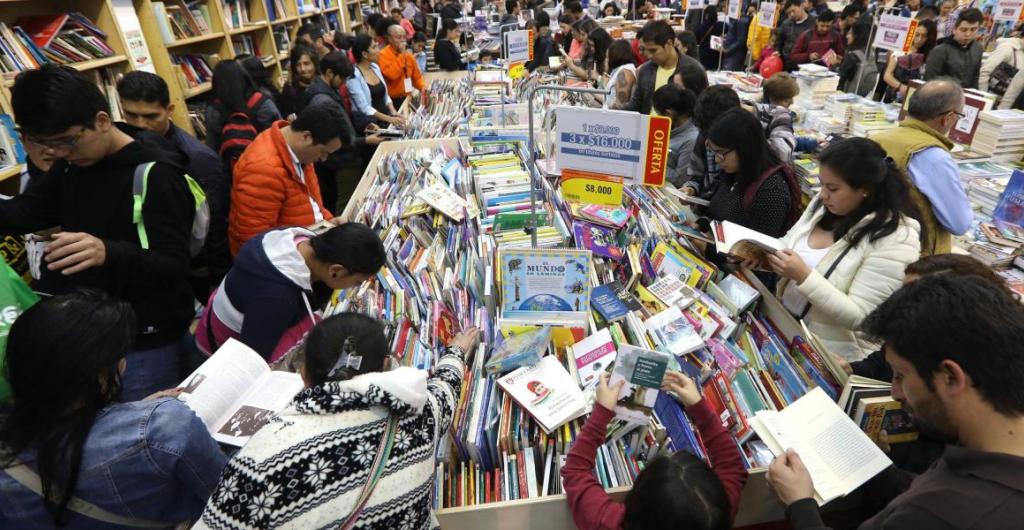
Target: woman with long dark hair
point(848, 251)
point(64, 437)
point(900, 70)
point(710, 27)
point(592, 65)
point(370, 100)
point(234, 91)
point(260, 75)
point(303, 67)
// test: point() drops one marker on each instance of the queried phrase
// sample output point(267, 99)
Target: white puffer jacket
point(864, 278)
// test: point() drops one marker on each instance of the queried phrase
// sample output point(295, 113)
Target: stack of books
point(816, 83)
point(63, 39)
point(177, 20)
point(806, 170)
point(1000, 135)
point(868, 117)
point(193, 69)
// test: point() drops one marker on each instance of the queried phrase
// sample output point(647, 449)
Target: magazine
point(235, 393)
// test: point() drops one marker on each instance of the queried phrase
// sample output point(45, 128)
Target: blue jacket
point(151, 460)
point(360, 91)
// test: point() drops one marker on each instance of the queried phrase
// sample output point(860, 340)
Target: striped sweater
point(308, 466)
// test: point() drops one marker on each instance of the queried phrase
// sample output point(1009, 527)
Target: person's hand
point(608, 396)
point(396, 120)
point(74, 252)
point(467, 340)
point(372, 128)
point(815, 56)
point(376, 139)
point(776, 54)
point(843, 363)
point(689, 190)
point(754, 263)
point(789, 264)
point(684, 387)
point(883, 441)
point(789, 478)
point(170, 392)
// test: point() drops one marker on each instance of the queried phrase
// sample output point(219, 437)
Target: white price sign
point(1007, 10)
point(518, 45)
point(735, 9)
point(895, 33)
point(611, 142)
point(767, 14)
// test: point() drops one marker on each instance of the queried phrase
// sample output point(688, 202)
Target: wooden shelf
point(310, 14)
point(246, 29)
point(193, 40)
point(283, 56)
point(11, 171)
point(86, 65)
point(197, 90)
point(286, 20)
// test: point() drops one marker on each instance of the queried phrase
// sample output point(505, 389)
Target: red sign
point(657, 150)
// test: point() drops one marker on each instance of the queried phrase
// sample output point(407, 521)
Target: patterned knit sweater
point(308, 466)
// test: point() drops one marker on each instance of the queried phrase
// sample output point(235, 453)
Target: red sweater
point(593, 509)
point(811, 41)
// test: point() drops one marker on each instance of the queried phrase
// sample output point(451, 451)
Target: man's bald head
point(396, 37)
point(935, 99)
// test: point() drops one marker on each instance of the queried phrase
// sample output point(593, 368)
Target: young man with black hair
point(312, 36)
point(956, 347)
point(798, 20)
point(958, 55)
point(574, 9)
point(105, 242)
point(664, 61)
point(147, 105)
point(850, 15)
point(814, 44)
point(275, 183)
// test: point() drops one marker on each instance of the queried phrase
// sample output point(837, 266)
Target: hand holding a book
point(608, 396)
point(74, 252)
point(467, 341)
point(788, 264)
point(681, 385)
point(788, 476)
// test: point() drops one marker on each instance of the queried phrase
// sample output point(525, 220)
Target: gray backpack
point(863, 83)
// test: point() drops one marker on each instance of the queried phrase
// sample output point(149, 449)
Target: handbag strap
point(828, 273)
point(376, 471)
point(25, 476)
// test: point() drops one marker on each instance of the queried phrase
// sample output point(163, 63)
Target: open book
point(235, 393)
point(742, 242)
point(838, 455)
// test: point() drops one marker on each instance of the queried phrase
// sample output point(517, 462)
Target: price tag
point(516, 70)
point(611, 142)
point(591, 188)
point(767, 14)
point(1008, 10)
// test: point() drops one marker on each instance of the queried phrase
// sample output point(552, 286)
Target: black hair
point(511, 5)
point(566, 19)
point(693, 76)
point(863, 165)
point(861, 32)
point(602, 40)
point(312, 30)
point(419, 36)
point(620, 53)
point(740, 131)
point(826, 16)
point(232, 86)
point(144, 86)
point(326, 342)
point(384, 25)
point(258, 72)
point(293, 61)
point(542, 18)
point(615, 9)
point(933, 33)
point(791, 3)
point(371, 21)
point(689, 39)
point(449, 24)
point(677, 491)
point(658, 32)
point(675, 98)
point(956, 264)
point(573, 6)
point(362, 43)
point(710, 13)
point(62, 365)
point(325, 122)
point(342, 40)
point(396, 11)
point(338, 63)
point(354, 246)
point(970, 16)
point(966, 319)
point(711, 103)
point(852, 10)
point(40, 100)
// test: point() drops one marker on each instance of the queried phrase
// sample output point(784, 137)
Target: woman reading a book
point(672, 492)
point(70, 454)
point(848, 251)
point(268, 298)
point(356, 446)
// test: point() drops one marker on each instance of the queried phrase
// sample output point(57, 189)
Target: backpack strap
point(791, 184)
point(254, 100)
point(140, 182)
point(387, 441)
point(25, 476)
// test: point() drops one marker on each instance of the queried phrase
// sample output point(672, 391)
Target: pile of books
point(193, 69)
point(177, 20)
point(63, 39)
point(816, 83)
point(1000, 135)
point(444, 112)
point(806, 170)
point(868, 117)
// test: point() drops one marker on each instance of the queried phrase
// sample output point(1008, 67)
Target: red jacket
point(591, 507)
point(266, 191)
point(811, 41)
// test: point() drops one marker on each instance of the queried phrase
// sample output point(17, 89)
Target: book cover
point(441, 198)
point(544, 283)
point(613, 302)
point(598, 239)
point(1010, 208)
point(611, 216)
point(674, 332)
point(547, 392)
point(43, 28)
point(642, 370)
point(593, 356)
point(671, 291)
point(887, 414)
point(522, 349)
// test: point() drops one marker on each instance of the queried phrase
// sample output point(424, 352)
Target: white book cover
point(674, 332)
point(593, 355)
point(740, 241)
point(235, 393)
point(547, 392)
point(441, 198)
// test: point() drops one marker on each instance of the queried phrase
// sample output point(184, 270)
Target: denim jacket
point(151, 460)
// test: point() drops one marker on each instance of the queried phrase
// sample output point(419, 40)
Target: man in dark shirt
point(956, 348)
point(147, 105)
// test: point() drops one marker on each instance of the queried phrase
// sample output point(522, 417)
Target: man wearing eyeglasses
point(920, 148)
point(88, 193)
point(959, 55)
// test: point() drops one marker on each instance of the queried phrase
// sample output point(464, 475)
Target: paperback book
point(547, 392)
point(613, 302)
point(643, 371)
point(593, 355)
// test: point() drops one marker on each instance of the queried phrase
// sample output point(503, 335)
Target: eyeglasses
point(960, 114)
point(719, 154)
point(60, 146)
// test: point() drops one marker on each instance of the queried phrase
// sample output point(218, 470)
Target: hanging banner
point(615, 143)
point(1008, 10)
point(519, 46)
point(895, 33)
point(768, 14)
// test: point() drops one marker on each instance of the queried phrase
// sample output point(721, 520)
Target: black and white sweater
point(307, 468)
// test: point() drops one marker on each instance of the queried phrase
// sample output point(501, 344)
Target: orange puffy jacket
point(266, 191)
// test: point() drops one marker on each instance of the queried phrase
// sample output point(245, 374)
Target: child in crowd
point(419, 50)
point(672, 492)
point(677, 103)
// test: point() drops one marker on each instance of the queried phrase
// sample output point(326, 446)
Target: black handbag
point(1001, 76)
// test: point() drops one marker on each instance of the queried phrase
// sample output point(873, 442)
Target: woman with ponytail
point(848, 251)
point(70, 454)
point(281, 278)
point(356, 448)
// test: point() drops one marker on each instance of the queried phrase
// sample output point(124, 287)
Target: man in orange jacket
point(274, 183)
point(401, 74)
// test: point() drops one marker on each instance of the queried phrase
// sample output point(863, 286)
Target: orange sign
point(657, 150)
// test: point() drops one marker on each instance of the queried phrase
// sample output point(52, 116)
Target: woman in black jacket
point(446, 47)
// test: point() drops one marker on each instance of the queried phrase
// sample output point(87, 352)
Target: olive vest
point(902, 142)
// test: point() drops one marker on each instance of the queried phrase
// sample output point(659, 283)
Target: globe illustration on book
point(544, 302)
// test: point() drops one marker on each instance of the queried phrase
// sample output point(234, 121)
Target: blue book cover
point(551, 284)
point(608, 301)
point(1011, 203)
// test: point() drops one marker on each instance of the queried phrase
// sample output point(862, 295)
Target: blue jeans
point(150, 371)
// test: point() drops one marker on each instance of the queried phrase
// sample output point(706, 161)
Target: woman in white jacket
point(848, 251)
point(1009, 50)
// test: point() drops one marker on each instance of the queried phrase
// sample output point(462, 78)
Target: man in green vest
point(920, 149)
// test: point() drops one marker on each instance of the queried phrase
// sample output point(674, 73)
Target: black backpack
point(238, 132)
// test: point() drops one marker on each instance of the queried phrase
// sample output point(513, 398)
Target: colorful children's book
point(598, 239)
point(523, 349)
point(602, 214)
point(593, 356)
point(545, 286)
point(547, 392)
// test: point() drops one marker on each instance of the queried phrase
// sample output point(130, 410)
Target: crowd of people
point(153, 223)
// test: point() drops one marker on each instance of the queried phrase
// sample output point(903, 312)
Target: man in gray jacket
point(959, 55)
point(664, 64)
point(798, 20)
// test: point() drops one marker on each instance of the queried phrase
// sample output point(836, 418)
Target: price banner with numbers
point(591, 188)
point(609, 142)
point(768, 14)
point(895, 33)
point(1008, 11)
point(519, 46)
